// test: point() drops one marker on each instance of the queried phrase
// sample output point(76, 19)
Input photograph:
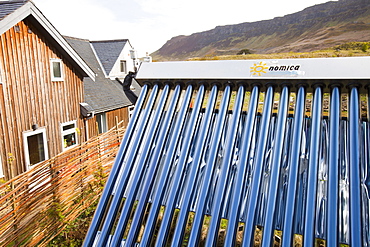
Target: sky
point(148, 24)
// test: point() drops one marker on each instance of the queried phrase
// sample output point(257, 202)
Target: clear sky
point(148, 24)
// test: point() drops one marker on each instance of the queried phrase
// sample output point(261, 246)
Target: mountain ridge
point(316, 27)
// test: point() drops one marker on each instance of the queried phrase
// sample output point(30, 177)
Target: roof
point(12, 12)
point(108, 52)
point(103, 94)
point(8, 7)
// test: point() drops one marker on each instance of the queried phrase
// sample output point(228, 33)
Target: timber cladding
point(112, 117)
point(29, 97)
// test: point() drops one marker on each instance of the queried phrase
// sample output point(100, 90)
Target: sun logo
point(259, 68)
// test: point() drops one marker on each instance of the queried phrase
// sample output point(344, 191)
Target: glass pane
point(36, 148)
point(69, 126)
point(123, 66)
point(102, 123)
point(57, 72)
point(69, 140)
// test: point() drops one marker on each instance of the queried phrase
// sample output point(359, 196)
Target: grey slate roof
point(104, 94)
point(8, 7)
point(108, 52)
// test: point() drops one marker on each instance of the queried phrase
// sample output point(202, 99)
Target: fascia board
point(12, 19)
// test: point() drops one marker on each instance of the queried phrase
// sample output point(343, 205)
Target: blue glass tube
point(225, 167)
point(258, 165)
point(269, 227)
point(354, 170)
point(242, 168)
point(333, 178)
point(309, 228)
point(293, 165)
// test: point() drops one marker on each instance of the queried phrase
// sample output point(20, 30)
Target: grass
point(350, 49)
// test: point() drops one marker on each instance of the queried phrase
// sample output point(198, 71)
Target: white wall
point(125, 55)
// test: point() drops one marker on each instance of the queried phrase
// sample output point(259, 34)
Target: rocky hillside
point(317, 27)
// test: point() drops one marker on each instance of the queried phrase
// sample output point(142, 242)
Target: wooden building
point(41, 88)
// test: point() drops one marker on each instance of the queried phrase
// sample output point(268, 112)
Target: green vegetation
point(350, 49)
point(365, 47)
point(244, 52)
point(75, 231)
point(353, 46)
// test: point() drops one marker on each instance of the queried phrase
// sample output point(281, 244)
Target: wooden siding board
point(34, 60)
point(31, 70)
point(4, 116)
point(11, 85)
point(17, 91)
point(27, 82)
point(40, 78)
point(2, 124)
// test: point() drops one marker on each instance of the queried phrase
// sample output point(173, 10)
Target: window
point(130, 112)
point(35, 146)
point(123, 66)
point(101, 119)
point(17, 29)
point(69, 135)
point(56, 70)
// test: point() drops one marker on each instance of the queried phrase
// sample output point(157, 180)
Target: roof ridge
point(110, 40)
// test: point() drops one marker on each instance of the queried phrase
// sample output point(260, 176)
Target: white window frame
point(123, 64)
point(26, 151)
point(130, 111)
point(53, 78)
point(2, 175)
point(68, 132)
point(1, 75)
point(102, 117)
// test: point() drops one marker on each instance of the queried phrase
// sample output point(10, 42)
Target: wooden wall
point(28, 96)
point(111, 116)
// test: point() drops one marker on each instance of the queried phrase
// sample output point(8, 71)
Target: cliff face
point(313, 28)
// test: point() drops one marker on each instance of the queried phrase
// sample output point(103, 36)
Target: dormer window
point(56, 67)
point(123, 66)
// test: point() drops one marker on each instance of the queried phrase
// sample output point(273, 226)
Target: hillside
point(317, 27)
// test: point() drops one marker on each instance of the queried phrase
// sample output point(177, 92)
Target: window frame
point(53, 77)
point(102, 125)
point(131, 111)
point(68, 132)
point(27, 134)
point(2, 175)
point(123, 69)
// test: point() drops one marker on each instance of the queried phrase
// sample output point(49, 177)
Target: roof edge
point(109, 40)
